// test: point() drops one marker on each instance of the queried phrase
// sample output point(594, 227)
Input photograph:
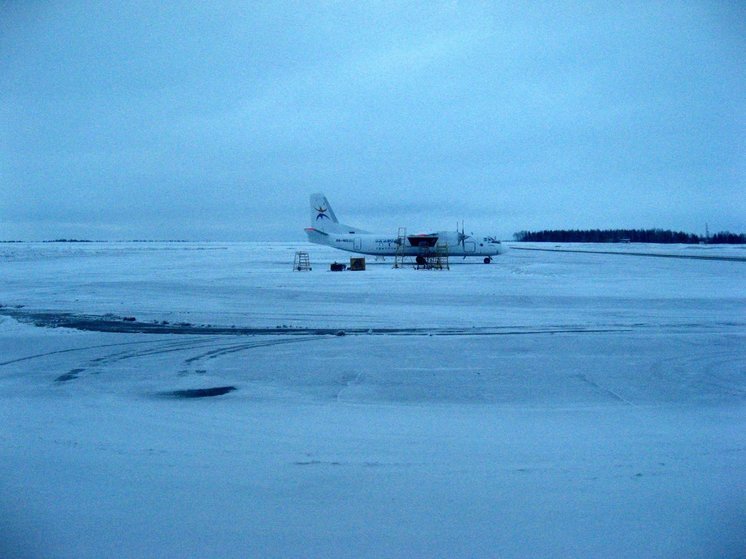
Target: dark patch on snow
point(110, 323)
point(199, 392)
point(70, 375)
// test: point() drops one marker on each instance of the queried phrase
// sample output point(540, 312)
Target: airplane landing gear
point(487, 259)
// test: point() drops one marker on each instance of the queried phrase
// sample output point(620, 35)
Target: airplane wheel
point(420, 260)
point(487, 260)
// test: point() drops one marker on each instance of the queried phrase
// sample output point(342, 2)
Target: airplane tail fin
point(322, 214)
point(324, 220)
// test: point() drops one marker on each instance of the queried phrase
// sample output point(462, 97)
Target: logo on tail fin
point(321, 213)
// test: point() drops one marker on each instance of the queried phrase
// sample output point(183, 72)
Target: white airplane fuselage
point(326, 230)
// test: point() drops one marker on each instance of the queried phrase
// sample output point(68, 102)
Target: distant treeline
point(55, 241)
point(68, 241)
point(126, 241)
point(626, 236)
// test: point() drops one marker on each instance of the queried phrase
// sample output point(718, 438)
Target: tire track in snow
point(603, 390)
point(165, 347)
point(646, 254)
point(73, 349)
point(249, 345)
point(169, 347)
point(719, 371)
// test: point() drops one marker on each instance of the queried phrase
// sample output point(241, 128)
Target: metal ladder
point(401, 239)
point(301, 262)
point(440, 260)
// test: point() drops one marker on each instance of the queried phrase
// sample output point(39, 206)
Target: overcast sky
point(216, 120)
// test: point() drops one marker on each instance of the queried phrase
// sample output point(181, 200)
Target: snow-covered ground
point(547, 405)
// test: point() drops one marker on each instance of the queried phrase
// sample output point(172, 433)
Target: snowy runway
point(547, 405)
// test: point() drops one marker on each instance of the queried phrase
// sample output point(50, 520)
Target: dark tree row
point(626, 235)
point(727, 238)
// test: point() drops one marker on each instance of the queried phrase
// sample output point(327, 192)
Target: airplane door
point(470, 246)
point(357, 243)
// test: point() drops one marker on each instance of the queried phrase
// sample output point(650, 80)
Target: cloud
point(231, 113)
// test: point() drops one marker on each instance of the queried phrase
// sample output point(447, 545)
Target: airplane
point(327, 230)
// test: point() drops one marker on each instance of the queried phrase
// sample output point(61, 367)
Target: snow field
point(581, 406)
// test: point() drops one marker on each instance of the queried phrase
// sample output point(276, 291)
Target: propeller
point(461, 235)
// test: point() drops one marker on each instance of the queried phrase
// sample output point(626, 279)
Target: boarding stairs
point(301, 262)
point(400, 259)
